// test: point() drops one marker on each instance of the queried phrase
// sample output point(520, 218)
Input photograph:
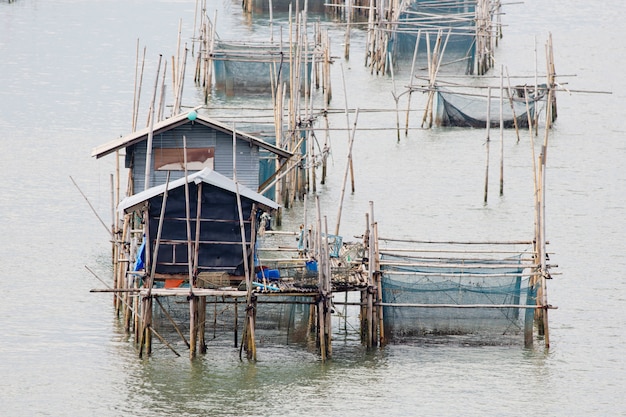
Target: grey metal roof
point(208, 176)
point(176, 121)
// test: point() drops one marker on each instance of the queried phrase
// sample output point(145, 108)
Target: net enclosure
point(472, 110)
point(456, 294)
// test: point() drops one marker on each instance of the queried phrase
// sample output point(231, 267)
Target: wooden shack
point(197, 232)
point(202, 215)
point(208, 142)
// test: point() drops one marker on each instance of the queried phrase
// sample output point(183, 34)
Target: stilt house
point(199, 222)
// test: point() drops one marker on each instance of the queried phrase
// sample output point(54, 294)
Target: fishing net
point(469, 110)
point(426, 292)
point(251, 67)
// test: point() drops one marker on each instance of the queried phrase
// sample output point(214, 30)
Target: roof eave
point(173, 122)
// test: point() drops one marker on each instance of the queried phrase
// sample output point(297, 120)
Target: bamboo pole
point(146, 184)
point(202, 302)
point(180, 85)
point(162, 99)
point(202, 324)
point(536, 186)
point(431, 85)
point(327, 294)
point(345, 175)
point(539, 247)
point(137, 87)
point(467, 306)
point(369, 43)
point(508, 92)
point(122, 278)
point(346, 51)
point(369, 295)
point(209, 63)
point(193, 300)
point(312, 138)
point(248, 276)
point(236, 325)
point(363, 294)
point(379, 290)
point(412, 75)
point(544, 298)
point(536, 86)
point(321, 317)
point(347, 114)
point(115, 242)
point(147, 301)
point(396, 98)
point(502, 130)
point(488, 124)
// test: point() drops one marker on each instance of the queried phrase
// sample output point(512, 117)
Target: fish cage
point(257, 67)
point(462, 109)
point(466, 31)
point(482, 294)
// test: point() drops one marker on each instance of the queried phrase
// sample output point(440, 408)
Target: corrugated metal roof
point(176, 121)
point(208, 176)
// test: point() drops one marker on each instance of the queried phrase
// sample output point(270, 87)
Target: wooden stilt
point(501, 130)
point(202, 324)
point(236, 324)
point(348, 169)
point(193, 323)
point(327, 294)
point(487, 126)
point(412, 76)
point(377, 280)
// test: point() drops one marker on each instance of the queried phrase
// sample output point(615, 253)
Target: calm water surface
point(67, 86)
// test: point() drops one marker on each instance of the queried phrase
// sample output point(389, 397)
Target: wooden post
point(115, 244)
point(236, 324)
point(327, 294)
point(369, 43)
point(251, 300)
point(311, 326)
point(379, 286)
point(251, 347)
point(146, 321)
point(408, 107)
point(146, 334)
point(488, 125)
point(193, 300)
point(146, 184)
point(508, 93)
point(202, 324)
point(345, 175)
point(544, 272)
point(193, 323)
point(124, 282)
point(430, 83)
point(529, 314)
point(370, 281)
point(137, 86)
point(321, 272)
point(346, 52)
point(367, 241)
point(396, 98)
point(502, 130)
